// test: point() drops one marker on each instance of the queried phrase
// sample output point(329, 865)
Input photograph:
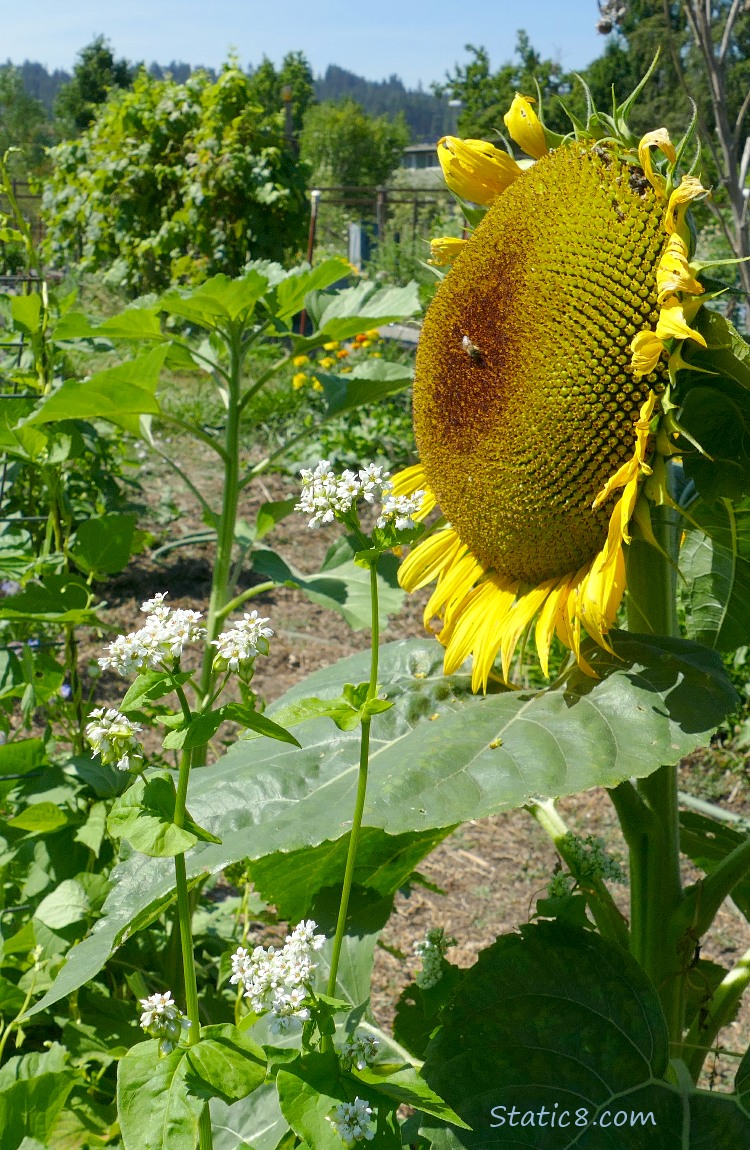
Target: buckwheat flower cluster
point(162, 1018)
point(431, 949)
point(238, 647)
point(113, 737)
point(352, 1121)
point(400, 510)
point(162, 639)
point(275, 980)
point(325, 495)
point(360, 1050)
point(588, 858)
point(560, 885)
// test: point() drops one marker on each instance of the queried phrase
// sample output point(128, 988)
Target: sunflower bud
point(475, 170)
point(525, 127)
point(444, 250)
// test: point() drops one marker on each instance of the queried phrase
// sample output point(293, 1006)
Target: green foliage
point(175, 182)
point(558, 1019)
point(292, 84)
point(345, 146)
point(23, 120)
point(95, 75)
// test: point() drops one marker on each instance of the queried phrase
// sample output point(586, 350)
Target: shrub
point(175, 182)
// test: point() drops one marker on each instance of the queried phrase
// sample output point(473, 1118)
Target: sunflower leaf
point(715, 564)
point(556, 1021)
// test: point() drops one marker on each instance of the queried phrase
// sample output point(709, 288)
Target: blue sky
point(418, 40)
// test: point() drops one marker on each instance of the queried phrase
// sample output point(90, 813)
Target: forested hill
point(426, 116)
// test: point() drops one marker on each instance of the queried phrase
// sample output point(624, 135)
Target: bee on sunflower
point(551, 371)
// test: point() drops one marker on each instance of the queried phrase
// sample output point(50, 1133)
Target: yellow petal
point(656, 139)
point(444, 250)
point(496, 609)
point(646, 348)
point(673, 324)
point(525, 127)
point(429, 559)
point(452, 588)
point(545, 625)
point(673, 273)
point(517, 620)
point(690, 188)
point(476, 170)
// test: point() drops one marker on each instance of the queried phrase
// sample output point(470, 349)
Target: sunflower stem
point(654, 839)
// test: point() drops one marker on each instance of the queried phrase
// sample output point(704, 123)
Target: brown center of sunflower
point(524, 399)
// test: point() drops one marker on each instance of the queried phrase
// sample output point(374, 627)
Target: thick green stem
point(184, 919)
point(607, 917)
point(359, 805)
point(720, 1012)
point(656, 883)
point(76, 688)
point(220, 588)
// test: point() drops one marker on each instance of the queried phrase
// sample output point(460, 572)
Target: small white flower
point(372, 480)
point(400, 510)
point(161, 639)
point(352, 1121)
point(360, 1051)
point(431, 949)
point(276, 980)
point(242, 643)
point(113, 736)
point(162, 1019)
point(154, 604)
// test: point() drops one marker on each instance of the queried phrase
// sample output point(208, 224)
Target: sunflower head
point(547, 364)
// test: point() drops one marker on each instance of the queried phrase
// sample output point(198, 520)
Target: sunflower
point(543, 376)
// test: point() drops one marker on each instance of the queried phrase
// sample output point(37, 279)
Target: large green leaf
point(288, 296)
point(439, 756)
point(103, 545)
point(555, 1021)
point(218, 302)
point(119, 394)
point(29, 1107)
point(292, 879)
point(153, 1103)
point(367, 383)
point(253, 1123)
point(706, 842)
point(715, 563)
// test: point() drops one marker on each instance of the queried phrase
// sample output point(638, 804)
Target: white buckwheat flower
point(159, 641)
point(360, 1050)
point(323, 495)
point(352, 1121)
point(431, 949)
point(162, 1018)
point(400, 510)
point(373, 480)
point(276, 981)
point(242, 643)
point(113, 737)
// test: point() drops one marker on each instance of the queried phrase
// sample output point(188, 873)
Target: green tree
point(294, 80)
point(345, 146)
point(95, 75)
point(175, 182)
point(23, 120)
point(487, 95)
